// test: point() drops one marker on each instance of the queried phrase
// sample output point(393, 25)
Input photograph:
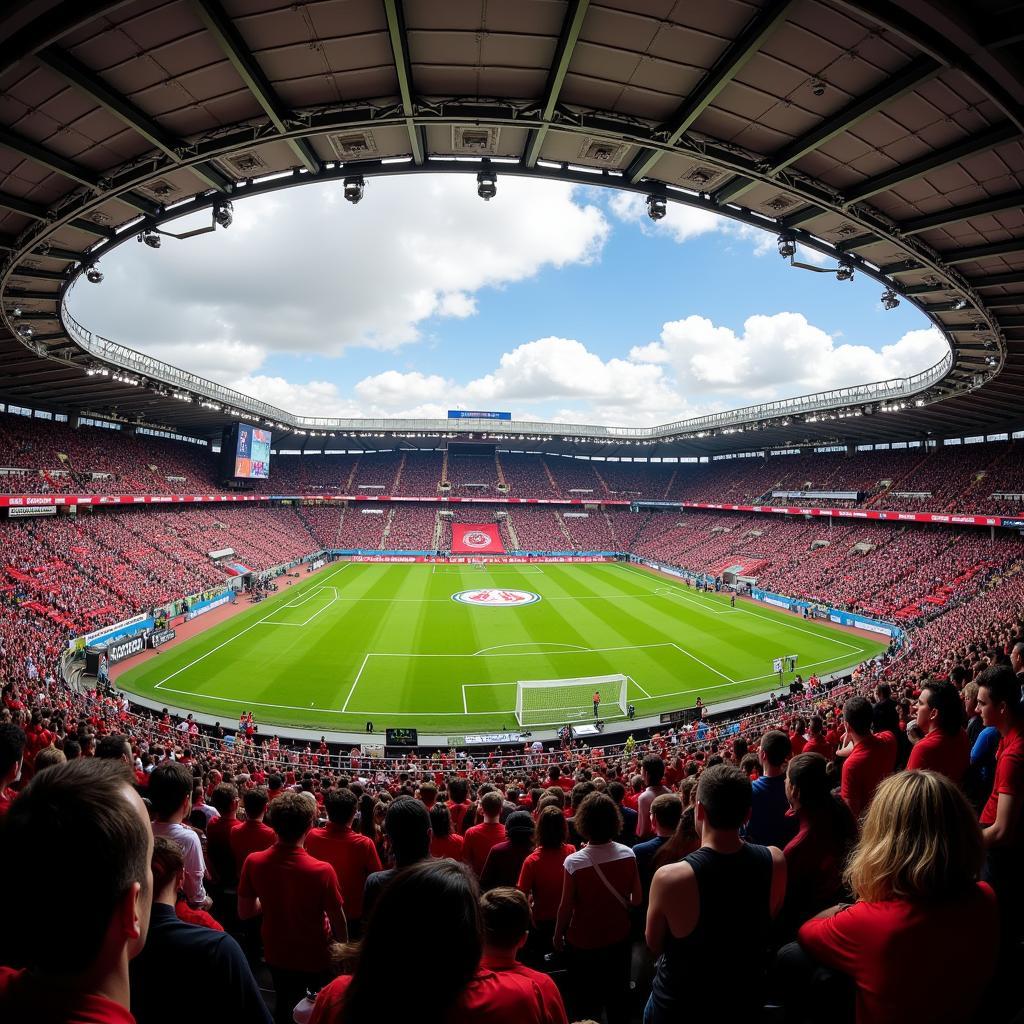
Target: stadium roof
point(886, 135)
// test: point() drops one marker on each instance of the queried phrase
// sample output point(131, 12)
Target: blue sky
point(550, 301)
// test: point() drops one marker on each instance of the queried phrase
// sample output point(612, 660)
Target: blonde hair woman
point(915, 875)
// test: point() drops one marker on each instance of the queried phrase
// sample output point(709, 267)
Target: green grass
point(387, 642)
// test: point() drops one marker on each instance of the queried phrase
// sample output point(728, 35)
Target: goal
point(561, 701)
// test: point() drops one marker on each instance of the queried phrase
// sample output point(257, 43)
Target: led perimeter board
point(245, 452)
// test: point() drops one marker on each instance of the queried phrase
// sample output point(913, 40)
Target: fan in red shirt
point(74, 975)
point(458, 804)
point(556, 778)
point(480, 838)
point(219, 854)
point(443, 841)
point(817, 743)
point(12, 751)
point(943, 746)
point(873, 756)
point(299, 898)
point(353, 856)
point(914, 873)
point(433, 905)
point(252, 835)
point(541, 876)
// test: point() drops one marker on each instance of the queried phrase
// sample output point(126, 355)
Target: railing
point(162, 373)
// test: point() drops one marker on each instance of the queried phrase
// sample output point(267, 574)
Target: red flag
point(476, 539)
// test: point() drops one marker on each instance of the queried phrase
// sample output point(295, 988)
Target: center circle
point(496, 597)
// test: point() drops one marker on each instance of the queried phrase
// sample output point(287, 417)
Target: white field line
point(639, 687)
point(355, 682)
point(497, 570)
point(538, 643)
point(306, 621)
point(676, 591)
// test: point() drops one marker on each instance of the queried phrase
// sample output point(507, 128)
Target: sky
point(551, 301)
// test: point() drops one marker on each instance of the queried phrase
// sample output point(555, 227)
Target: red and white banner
point(476, 539)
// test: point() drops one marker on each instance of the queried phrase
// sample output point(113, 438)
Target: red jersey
point(200, 917)
point(598, 918)
point(797, 743)
point(505, 965)
point(872, 759)
point(250, 837)
point(820, 745)
point(1009, 776)
point(542, 877)
point(353, 857)
point(940, 752)
point(24, 997)
point(874, 942)
point(447, 846)
point(489, 998)
point(478, 842)
point(458, 812)
point(219, 855)
point(296, 892)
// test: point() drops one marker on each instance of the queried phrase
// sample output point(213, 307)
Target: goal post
point(541, 702)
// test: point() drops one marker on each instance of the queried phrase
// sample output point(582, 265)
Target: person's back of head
point(554, 773)
point(428, 794)
point(519, 828)
point(224, 798)
point(255, 803)
point(12, 750)
point(168, 864)
point(440, 821)
point(857, 713)
point(506, 918)
point(666, 810)
point(114, 747)
point(580, 792)
point(458, 789)
point(170, 784)
point(78, 837)
point(724, 797)
point(775, 748)
point(552, 830)
point(598, 820)
point(616, 790)
point(291, 816)
point(491, 804)
point(47, 758)
point(434, 904)
point(407, 824)
point(341, 806)
point(653, 769)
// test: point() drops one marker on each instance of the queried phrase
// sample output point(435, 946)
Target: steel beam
point(41, 155)
point(571, 27)
point(403, 69)
point(994, 204)
point(22, 206)
point(993, 280)
point(980, 252)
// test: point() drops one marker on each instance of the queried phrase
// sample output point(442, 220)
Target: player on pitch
point(597, 702)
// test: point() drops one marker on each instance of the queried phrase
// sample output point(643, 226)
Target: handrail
point(235, 402)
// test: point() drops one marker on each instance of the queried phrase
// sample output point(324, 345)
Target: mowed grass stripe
point(303, 674)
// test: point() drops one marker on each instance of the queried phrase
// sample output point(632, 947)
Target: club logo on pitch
point(496, 598)
point(476, 539)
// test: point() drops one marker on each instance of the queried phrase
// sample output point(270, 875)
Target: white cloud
point(681, 223)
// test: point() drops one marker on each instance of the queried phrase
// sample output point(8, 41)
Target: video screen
point(252, 453)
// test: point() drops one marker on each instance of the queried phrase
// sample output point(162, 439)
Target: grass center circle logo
point(476, 539)
point(494, 597)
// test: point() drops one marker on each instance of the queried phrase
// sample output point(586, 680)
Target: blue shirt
point(768, 825)
point(645, 853)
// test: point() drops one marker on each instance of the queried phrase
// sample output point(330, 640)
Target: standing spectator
point(176, 950)
point(218, 836)
point(407, 825)
point(79, 837)
point(600, 885)
point(299, 898)
point(816, 740)
point(480, 838)
point(943, 746)
point(353, 856)
point(666, 810)
point(12, 752)
point(170, 794)
point(696, 904)
point(505, 859)
point(435, 904)
point(617, 791)
point(252, 835)
point(915, 876)
point(885, 716)
point(458, 802)
point(541, 875)
point(652, 769)
point(443, 841)
point(769, 823)
point(506, 921)
point(869, 758)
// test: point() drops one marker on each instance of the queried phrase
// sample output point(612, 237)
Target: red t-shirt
point(24, 997)
point(1009, 776)
point(561, 782)
point(193, 916)
point(220, 856)
point(797, 743)
point(507, 966)
point(874, 942)
point(872, 759)
point(458, 812)
point(250, 837)
point(353, 857)
point(950, 755)
point(821, 746)
point(447, 846)
point(478, 842)
point(542, 877)
point(296, 892)
point(489, 998)
point(598, 918)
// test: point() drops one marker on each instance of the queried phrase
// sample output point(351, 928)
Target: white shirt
point(192, 850)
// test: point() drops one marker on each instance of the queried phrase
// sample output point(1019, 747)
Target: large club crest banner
point(476, 539)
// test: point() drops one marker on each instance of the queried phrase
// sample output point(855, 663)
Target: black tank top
point(721, 963)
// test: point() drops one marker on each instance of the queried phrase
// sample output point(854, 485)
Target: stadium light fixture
point(224, 213)
point(787, 246)
point(150, 237)
point(890, 300)
point(354, 186)
point(960, 304)
point(657, 207)
point(93, 274)
point(486, 184)
point(991, 360)
point(16, 312)
point(844, 272)
point(26, 332)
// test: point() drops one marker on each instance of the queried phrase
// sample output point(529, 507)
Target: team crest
point(489, 597)
point(477, 539)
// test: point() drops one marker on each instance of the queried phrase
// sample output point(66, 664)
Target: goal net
point(561, 701)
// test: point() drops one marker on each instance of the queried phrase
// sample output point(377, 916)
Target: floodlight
point(354, 187)
point(657, 207)
point(844, 272)
point(16, 312)
point(890, 300)
point(93, 274)
point(787, 246)
point(224, 213)
point(960, 303)
point(26, 331)
point(150, 238)
point(991, 360)
point(486, 185)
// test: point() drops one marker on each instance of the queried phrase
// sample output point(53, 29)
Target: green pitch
point(388, 643)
